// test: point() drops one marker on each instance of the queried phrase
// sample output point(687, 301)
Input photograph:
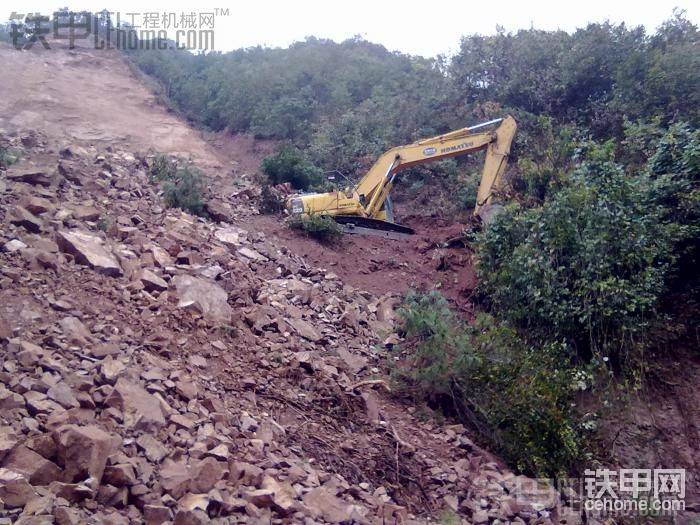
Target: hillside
point(157, 366)
point(170, 354)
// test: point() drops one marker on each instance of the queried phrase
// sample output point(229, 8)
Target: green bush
point(590, 265)
point(675, 170)
point(319, 227)
point(8, 154)
point(163, 168)
point(183, 185)
point(518, 398)
point(289, 165)
point(345, 103)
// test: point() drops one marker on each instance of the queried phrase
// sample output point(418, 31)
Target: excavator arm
point(368, 198)
point(376, 185)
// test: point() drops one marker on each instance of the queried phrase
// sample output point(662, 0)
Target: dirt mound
point(388, 266)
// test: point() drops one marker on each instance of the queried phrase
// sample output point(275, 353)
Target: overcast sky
point(425, 28)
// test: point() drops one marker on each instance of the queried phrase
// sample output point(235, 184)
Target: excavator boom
point(369, 198)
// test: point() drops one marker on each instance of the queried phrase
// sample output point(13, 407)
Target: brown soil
point(381, 266)
point(84, 96)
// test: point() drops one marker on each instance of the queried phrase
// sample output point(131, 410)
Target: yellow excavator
point(366, 207)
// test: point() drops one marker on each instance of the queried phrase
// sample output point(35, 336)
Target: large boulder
point(33, 176)
point(230, 236)
point(141, 409)
point(323, 504)
point(151, 282)
point(15, 490)
point(203, 296)
point(20, 216)
point(37, 469)
point(83, 451)
point(304, 329)
point(8, 440)
point(88, 249)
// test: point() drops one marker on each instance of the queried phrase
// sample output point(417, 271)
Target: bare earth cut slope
point(157, 367)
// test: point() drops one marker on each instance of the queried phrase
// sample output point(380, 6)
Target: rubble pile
point(158, 367)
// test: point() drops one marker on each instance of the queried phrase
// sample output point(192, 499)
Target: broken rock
point(206, 474)
point(151, 282)
point(141, 409)
point(86, 213)
point(15, 490)
point(152, 448)
point(35, 177)
point(21, 217)
point(331, 508)
point(89, 250)
point(228, 236)
point(63, 395)
point(251, 254)
point(14, 245)
point(35, 468)
point(304, 329)
point(120, 475)
point(204, 296)
point(83, 451)
point(37, 205)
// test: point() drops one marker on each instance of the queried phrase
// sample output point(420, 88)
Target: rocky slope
point(157, 367)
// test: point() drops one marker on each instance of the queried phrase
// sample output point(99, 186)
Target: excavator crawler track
point(369, 226)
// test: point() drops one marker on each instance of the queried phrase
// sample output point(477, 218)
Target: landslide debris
point(158, 367)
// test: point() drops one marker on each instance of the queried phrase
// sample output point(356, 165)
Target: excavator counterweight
point(366, 207)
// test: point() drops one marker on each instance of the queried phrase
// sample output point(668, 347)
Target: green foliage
point(675, 172)
point(163, 168)
point(342, 104)
point(320, 227)
point(279, 93)
point(287, 117)
point(289, 165)
point(590, 265)
point(8, 154)
point(547, 153)
point(183, 185)
point(105, 223)
point(594, 77)
point(516, 396)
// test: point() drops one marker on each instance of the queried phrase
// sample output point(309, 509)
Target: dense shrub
point(8, 155)
point(183, 185)
point(576, 284)
point(517, 397)
point(590, 265)
point(320, 227)
point(675, 172)
point(342, 104)
point(289, 165)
